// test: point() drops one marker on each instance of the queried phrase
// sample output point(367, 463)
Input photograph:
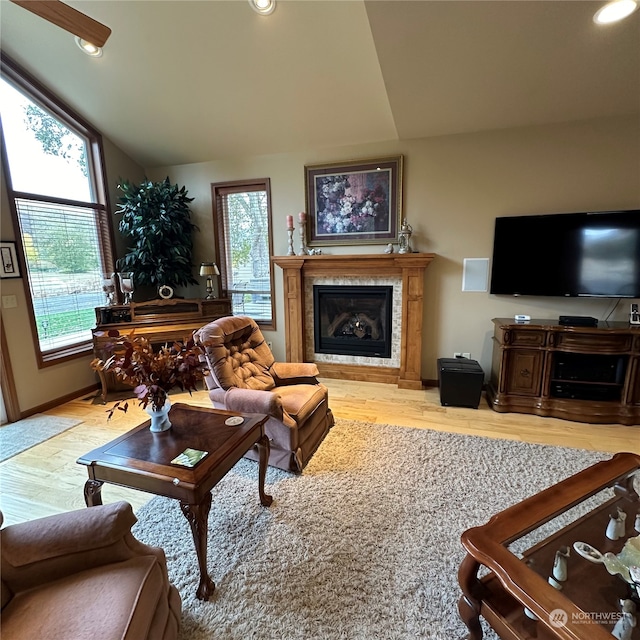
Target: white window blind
point(244, 241)
point(61, 245)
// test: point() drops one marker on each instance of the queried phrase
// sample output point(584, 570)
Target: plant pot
point(159, 417)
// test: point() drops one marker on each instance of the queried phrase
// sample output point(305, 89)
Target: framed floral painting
point(357, 202)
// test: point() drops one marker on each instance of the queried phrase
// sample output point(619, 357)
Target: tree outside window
point(60, 214)
point(242, 221)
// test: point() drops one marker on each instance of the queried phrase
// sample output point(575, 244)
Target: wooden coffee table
point(140, 459)
point(587, 606)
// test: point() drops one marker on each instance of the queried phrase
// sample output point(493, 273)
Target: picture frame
point(9, 265)
point(355, 202)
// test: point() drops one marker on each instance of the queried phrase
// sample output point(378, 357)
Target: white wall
point(454, 188)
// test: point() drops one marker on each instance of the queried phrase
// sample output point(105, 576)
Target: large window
point(53, 171)
point(242, 224)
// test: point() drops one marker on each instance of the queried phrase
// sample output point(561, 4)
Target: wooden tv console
point(586, 374)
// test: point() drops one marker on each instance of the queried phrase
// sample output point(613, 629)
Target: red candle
point(289, 222)
point(302, 216)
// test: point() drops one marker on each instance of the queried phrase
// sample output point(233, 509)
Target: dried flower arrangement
point(152, 373)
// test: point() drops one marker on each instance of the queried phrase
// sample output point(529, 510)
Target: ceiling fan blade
point(69, 19)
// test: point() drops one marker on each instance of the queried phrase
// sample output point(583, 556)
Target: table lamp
point(209, 269)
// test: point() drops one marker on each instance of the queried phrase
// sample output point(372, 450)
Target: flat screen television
point(591, 254)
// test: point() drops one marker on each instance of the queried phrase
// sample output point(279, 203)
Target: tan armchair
point(83, 575)
point(244, 377)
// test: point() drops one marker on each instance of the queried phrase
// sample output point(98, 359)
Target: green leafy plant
point(152, 373)
point(156, 216)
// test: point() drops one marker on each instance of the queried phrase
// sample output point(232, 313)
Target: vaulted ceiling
point(187, 81)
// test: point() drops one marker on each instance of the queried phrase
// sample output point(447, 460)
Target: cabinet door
point(524, 372)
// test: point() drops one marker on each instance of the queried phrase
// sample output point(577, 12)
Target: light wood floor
point(46, 479)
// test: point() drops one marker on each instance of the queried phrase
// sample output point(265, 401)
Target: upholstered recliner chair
point(244, 377)
point(82, 575)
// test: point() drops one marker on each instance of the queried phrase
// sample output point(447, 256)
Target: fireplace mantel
point(409, 267)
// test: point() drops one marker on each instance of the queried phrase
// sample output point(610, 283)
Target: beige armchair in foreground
point(82, 575)
point(244, 377)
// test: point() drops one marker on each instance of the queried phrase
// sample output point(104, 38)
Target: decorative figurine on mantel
point(404, 236)
point(389, 248)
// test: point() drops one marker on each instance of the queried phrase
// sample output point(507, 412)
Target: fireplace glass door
point(353, 320)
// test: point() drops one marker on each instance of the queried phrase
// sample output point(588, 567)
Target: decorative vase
point(159, 417)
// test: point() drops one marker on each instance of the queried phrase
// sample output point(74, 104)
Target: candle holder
point(291, 251)
point(304, 251)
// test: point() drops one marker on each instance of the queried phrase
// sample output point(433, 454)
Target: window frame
point(240, 186)
point(44, 98)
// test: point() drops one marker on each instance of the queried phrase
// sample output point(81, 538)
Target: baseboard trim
point(58, 401)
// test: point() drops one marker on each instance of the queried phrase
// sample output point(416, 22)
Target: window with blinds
point(242, 224)
point(57, 193)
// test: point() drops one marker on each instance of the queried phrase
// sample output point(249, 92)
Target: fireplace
point(352, 320)
point(405, 272)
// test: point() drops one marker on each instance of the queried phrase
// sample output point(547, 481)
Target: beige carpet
point(363, 546)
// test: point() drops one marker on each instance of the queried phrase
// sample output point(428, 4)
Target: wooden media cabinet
point(585, 374)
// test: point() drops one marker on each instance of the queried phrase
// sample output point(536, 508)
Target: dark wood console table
point(160, 321)
point(586, 374)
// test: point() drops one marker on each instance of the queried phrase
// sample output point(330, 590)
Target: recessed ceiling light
point(263, 7)
point(88, 48)
point(614, 11)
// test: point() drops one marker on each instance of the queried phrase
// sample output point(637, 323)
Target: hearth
point(353, 320)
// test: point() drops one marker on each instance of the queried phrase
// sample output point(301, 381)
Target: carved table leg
point(198, 517)
point(263, 450)
point(469, 605)
point(93, 493)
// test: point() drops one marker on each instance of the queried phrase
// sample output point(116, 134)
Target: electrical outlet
point(466, 355)
point(270, 345)
point(457, 354)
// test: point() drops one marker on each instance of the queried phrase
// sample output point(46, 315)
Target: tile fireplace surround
point(407, 270)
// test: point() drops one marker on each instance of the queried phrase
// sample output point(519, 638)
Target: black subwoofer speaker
point(460, 382)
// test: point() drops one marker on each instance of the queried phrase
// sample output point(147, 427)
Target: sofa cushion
point(113, 602)
point(300, 400)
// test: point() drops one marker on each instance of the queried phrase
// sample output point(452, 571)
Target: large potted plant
point(157, 218)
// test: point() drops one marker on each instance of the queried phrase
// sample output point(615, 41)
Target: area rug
point(365, 544)
point(17, 437)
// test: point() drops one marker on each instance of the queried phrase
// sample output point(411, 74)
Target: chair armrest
point(294, 373)
point(49, 548)
point(254, 401)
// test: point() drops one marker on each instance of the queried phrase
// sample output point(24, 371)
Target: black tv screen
point(568, 254)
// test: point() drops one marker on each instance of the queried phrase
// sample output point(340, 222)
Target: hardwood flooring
point(46, 478)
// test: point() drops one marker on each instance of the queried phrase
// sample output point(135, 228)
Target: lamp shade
point(209, 269)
